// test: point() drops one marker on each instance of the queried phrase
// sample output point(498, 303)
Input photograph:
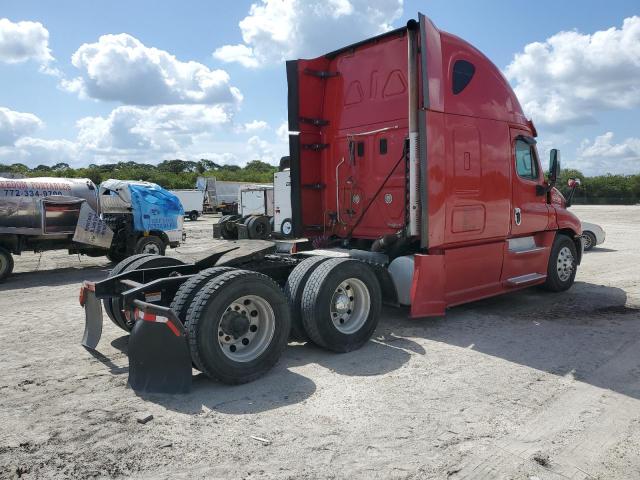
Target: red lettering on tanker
point(21, 185)
point(18, 188)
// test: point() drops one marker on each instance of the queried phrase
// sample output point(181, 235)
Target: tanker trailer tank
point(40, 214)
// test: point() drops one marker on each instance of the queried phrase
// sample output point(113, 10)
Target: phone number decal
point(30, 193)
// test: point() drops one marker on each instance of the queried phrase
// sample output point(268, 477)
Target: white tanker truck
point(116, 220)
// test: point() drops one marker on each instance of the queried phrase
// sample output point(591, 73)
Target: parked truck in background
point(145, 218)
point(192, 202)
point(221, 196)
point(415, 175)
point(254, 219)
point(39, 214)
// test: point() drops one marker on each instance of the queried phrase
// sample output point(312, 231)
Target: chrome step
point(524, 279)
point(531, 250)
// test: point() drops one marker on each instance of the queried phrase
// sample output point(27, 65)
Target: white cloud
point(283, 132)
point(150, 134)
point(260, 149)
point(37, 151)
point(14, 125)
point(277, 30)
point(236, 53)
point(569, 77)
point(255, 126)
point(23, 41)
point(602, 155)
point(164, 130)
point(121, 68)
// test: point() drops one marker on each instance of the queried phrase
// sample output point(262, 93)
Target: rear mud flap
point(159, 358)
point(92, 317)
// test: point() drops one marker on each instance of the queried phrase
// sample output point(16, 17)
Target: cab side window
point(526, 164)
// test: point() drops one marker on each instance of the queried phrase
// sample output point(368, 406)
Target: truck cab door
point(529, 210)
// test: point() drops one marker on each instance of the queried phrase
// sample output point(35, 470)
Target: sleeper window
point(463, 72)
point(526, 164)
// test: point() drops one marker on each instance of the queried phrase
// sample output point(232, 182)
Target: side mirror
point(574, 182)
point(554, 166)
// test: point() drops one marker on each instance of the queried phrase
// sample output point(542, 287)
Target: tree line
point(603, 189)
point(172, 174)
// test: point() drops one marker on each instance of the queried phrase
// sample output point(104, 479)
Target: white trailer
point(282, 215)
point(256, 200)
point(192, 202)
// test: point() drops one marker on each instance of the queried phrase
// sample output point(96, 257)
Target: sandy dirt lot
point(530, 386)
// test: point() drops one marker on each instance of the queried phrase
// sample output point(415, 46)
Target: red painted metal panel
point(524, 263)
point(428, 288)
point(473, 272)
point(488, 94)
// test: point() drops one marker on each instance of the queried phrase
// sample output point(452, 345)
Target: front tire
point(238, 326)
point(286, 228)
point(6, 264)
point(589, 241)
point(562, 267)
point(193, 216)
point(150, 245)
point(341, 304)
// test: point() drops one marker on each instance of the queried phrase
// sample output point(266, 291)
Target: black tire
point(151, 245)
point(259, 228)
point(115, 257)
point(6, 264)
point(205, 320)
point(555, 271)
point(293, 290)
point(228, 228)
point(118, 269)
point(152, 261)
point(193, 216)
point(589, 240)
point(189, 289)
point(286, 228)
point(317, 298)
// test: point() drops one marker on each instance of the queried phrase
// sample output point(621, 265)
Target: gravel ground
point(524, 386)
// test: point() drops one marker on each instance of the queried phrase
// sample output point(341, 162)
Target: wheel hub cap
point(246, 328)
point(350, 306)
point(234, 324)
point(342, 303)
point(565, 264)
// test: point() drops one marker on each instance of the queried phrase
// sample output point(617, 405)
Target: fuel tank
point(40, 206)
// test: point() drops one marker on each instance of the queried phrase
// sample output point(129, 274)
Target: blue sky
point(104, 81)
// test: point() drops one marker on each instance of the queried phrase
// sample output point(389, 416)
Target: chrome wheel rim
point(564, 264)
point(587, 241)
point(246, 328)
point(287, 228)
point(350, 305)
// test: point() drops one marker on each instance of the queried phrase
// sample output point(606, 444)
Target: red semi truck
point(416, 177)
